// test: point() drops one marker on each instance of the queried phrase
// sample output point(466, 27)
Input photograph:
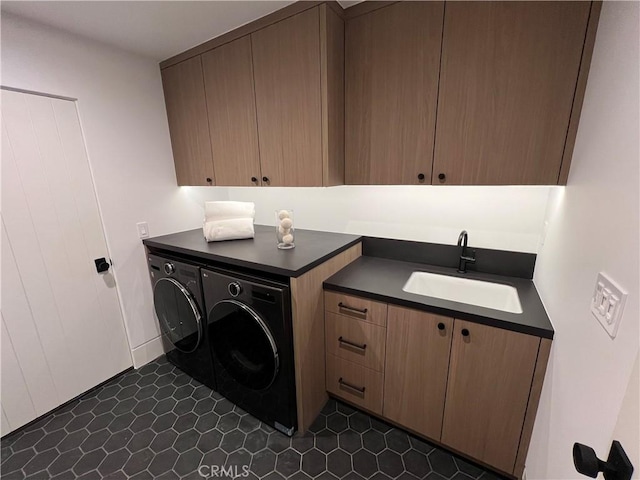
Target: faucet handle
point(470, 256)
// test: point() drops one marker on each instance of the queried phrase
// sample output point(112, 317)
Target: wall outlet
point(143, 229)
point(607, 304)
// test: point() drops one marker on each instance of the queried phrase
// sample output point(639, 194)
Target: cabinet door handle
point(465, 332)
point(352, 387)
point(440, 326)
point(352, 344)
point(209, 180)
point(265, 179)
point(421, 177)
point(254, 179)
point(363, 311)
point(442, 177)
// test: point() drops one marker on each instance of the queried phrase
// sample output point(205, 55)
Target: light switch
point(143, 229)
point(607, 303)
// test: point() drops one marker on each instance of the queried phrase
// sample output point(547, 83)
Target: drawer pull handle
point(358, 310)
point(352, 387)
point(352, 344)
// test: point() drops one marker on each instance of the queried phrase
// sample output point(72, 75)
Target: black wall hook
point(617, 467)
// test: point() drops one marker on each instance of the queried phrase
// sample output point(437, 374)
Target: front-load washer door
point(243, 344)
point(178, 314)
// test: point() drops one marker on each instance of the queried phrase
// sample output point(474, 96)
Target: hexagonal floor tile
point(390, 463)
point(365, 463)
point(339, 463)
point(288, 462)
point(314, 462)
point(256, 440)
point(263, 462)
point(232, 441)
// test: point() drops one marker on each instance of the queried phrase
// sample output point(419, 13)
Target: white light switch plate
point(607, 304)
point(143, 229)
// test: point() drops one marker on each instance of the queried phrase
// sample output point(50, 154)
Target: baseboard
point(147, 352)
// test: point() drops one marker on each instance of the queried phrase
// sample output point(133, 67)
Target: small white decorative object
point(286, 223)
point(284, 229)
point(282, 214)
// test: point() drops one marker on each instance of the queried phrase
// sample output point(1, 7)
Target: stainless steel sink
point(463, 290)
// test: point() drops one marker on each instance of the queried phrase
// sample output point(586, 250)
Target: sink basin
point(463, 290)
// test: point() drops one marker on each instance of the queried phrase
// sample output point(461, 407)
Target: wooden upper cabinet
point(392, 58)
point(490, 376)
point(417, 361)
point(187, 114)
point(286, 59)
point(228, 80)
point(507, 83)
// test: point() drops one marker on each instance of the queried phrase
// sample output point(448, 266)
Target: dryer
point(250, 334)
point(179, 307)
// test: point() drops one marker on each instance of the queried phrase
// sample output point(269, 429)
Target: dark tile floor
point(159, 423)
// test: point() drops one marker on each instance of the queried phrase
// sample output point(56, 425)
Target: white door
point(62, 328)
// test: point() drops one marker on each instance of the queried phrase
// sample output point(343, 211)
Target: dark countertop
point(259, 253)
point(382, 280)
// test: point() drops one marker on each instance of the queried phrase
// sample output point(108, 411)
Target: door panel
point(63, 319)
point(228, 80)
point(286, 61)
point(16, 399)
point(392, 58)
point(188, 124)
point(416, 367)
point(507, 81)
point(490, 377)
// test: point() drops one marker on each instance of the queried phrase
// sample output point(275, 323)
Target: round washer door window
point(242, 342)
point(178, 313)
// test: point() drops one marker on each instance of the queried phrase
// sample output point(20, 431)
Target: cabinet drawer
point(355, 383)
point(360, 342)
point(356, 307)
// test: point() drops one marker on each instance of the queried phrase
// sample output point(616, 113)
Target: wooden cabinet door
point(507, 83)
point(188, 125)
point(286, 63)
point(490, 377)
point(228, 81)
point(392, 58)
point(416, 365)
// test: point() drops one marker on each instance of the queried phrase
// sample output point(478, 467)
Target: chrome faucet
point(464, 255)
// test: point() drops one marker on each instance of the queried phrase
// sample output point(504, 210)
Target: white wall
point(124, 121)
point(594, 226)
point(507, 218)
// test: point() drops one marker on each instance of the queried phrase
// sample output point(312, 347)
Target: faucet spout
point(463, 237)
point(465, 257)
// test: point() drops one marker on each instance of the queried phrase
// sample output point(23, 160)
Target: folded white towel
point(214, 211)
point(230, 229)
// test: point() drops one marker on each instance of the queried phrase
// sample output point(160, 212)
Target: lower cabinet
point(416, 365)
point(490, 375)
point(470, 387)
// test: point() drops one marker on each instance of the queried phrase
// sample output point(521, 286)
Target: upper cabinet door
point(507, 83)
point(392, 58)
point(187, 113)
point(286, 62)
point(228, 80)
